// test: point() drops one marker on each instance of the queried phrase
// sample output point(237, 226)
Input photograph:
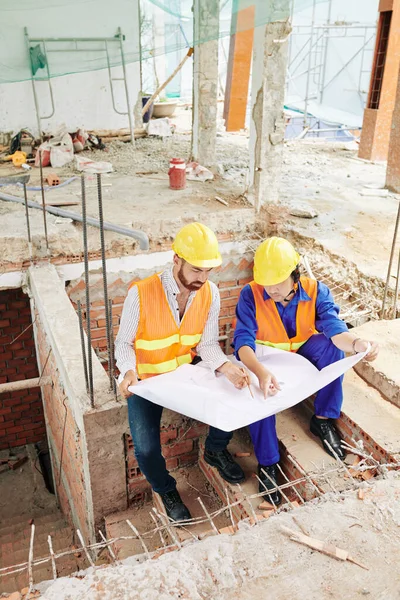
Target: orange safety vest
point(271, 331)
point(160, 344)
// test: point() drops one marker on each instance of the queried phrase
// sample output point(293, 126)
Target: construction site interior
point(286, 117)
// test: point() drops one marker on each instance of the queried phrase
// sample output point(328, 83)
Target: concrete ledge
point(384, 373)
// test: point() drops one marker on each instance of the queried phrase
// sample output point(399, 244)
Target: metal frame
point(118, 38)
point(315, 52)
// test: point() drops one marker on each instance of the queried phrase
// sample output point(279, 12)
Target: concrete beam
point(205, 81)
point(267, 125)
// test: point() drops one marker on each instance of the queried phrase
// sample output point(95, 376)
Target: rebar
point(214, 527)
point(53, 561)
point(111, 353)
point(228, 504)
point(86, 551)
point(306, 475)
point(268, 491)
point(396, 228)
point(104, 273)
point(245, 496)
point(164, 521)
point(108, 546)
point(85, 367)
point(43, 200)
point(27, 213)
point(87, 290)
point(282, 472)
point(277, 487)
point(396, 291)
point(136, 532)
point(159, 530)
point(30, 558)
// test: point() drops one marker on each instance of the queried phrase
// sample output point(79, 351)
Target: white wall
point(82, 99)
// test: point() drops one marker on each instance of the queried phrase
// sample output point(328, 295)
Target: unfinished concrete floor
point(263, 561)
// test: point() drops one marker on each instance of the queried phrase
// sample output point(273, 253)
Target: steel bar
point(136, 532)
point(77, 40)
point(229, 506)
point(277, 487)
point(43, 200)
point(85, 549)
point(162, 540)
point(170, 530)
point(88, 328)
point(214, 527)
point(35, 98)
point(267, 491)
point(53, 560)
point(108, 546)
point(253, 512)
point(111, 353)
point(282, 472)
point(305, 474)
point(141, 237)
point(104, 273)
point(27, 214)
point(85, 367)
point(30, 558)
point(396, 228)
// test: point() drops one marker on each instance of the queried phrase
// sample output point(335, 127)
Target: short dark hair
point(295, 275)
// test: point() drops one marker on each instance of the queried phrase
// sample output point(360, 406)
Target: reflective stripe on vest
point(161, 345)
point(164, 367)
point(271, 331)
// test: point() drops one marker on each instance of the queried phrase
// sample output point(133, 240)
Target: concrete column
point(205, 81)
point(267, 126)
point(393, 165)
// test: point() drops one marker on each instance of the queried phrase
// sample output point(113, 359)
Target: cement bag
point(62, 150)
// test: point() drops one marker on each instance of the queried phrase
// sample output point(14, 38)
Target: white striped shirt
point(208, 348)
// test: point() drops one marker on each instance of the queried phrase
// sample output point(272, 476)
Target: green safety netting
point(26, 56)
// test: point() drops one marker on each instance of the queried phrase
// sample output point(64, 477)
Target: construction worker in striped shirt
point(283, 310)
point(168, 320)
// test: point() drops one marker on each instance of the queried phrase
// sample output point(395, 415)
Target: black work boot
point(325, 429)
point(270, 483)
point(227, 467)
point(174, 506)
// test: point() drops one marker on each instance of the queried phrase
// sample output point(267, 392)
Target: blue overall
point(319, 350)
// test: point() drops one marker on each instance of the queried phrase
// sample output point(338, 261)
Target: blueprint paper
point(195, 391)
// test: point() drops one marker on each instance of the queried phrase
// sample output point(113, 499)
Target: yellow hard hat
point(274, 261)
point(198, 245)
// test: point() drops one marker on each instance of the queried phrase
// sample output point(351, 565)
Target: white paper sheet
point(196, 392)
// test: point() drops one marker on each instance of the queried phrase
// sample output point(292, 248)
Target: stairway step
point(383, 373)
point(13, 533)
point(62, 535)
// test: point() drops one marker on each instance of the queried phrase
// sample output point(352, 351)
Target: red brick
point(15, 429)
point(5, 411)
point(176, 449)
point(227, 284)
point(98, 333)
point(10, 314)
point(21, 353)
point(195, 431)
point(4, 323)
point(168, 434)
point(188, 459)
point(245, 281)
point(172, 463)
point(19, 303)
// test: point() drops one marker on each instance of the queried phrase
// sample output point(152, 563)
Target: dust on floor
point(263, 561)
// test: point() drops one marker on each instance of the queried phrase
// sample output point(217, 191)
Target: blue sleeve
point(246, 324)
point(327, 319)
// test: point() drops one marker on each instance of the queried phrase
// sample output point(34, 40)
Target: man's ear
point(177, 260)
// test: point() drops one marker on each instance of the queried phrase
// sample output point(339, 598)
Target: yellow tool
point(18, 158)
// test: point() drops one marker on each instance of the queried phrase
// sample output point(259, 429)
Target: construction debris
point(321, 546)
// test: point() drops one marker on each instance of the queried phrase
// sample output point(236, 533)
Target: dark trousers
point(321, 352)
point(144, 423)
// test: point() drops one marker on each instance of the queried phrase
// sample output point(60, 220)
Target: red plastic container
point(177, 174)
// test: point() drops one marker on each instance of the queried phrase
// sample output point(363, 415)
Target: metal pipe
point(104, 267)
point(85, 369)
point(321, 87)
point(27, 213)
point(43, 201)
point(77, 40)
point(35, 98)
point(24, 384)
point(141, 237)
point(396, 227)
point(86, 259)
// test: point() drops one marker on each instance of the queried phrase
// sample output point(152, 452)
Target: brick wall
point(179, 435)
point(21, 412)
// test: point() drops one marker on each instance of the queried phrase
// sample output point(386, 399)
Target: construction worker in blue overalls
point(284, 310)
